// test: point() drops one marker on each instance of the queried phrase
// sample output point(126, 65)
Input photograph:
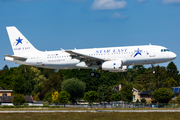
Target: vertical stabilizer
point(18, 42)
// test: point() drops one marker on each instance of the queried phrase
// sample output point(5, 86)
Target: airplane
point(112, 59)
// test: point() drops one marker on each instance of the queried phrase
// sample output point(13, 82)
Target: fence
point(102, 105)
point(119, 105)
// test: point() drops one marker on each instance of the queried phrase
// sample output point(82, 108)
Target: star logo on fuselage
point(138, 52)
point(19, 41)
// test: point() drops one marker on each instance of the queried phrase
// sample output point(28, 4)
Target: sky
point(68, 24)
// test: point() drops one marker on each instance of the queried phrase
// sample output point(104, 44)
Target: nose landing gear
point(153, 69)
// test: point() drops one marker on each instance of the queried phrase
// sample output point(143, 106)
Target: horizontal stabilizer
point(16, 57)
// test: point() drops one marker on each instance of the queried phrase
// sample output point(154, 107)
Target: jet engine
point(123, 69)
point(114, 66)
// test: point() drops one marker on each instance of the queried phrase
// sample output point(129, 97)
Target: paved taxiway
point(94, 111)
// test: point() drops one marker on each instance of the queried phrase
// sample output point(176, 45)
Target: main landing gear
point(93, 74)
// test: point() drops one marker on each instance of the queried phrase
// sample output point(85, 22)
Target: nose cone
point(173, 55)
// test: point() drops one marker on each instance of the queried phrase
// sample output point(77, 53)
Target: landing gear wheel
point(97, 75)
point(92, 74)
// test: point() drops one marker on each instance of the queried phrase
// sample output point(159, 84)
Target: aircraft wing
point(89, 60)
point(16, 57)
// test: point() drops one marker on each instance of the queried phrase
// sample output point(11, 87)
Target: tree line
point(42, 83)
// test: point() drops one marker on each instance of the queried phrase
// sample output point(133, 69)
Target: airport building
point(6, 97)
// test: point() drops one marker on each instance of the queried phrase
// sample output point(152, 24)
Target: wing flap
point(83, 57)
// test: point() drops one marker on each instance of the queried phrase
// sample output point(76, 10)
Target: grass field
point(91, 116)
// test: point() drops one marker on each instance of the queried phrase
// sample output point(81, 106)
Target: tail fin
point(18, 42)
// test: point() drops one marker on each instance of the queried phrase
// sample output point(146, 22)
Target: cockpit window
point(164, 50)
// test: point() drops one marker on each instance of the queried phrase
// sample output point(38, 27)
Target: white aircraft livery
point(112, 59)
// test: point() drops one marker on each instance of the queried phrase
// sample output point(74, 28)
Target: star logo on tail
point(19, 41)
point(138, 52)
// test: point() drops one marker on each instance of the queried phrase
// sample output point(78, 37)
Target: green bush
point(74, 87)
point(26, 104)
point(178, 99)
point(64, 97)
point(143, 100)
point(91, 96)
point(172, 102)
point(116, 96)
point(137, 101)
point(45, 104)
point(163, 95)
point(48, 97)
point(18, 99)
point(4, 106)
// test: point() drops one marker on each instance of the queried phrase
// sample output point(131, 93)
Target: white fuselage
point(130, 55)
point(112, 59)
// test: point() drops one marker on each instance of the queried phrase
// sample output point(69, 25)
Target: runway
point(83, 111)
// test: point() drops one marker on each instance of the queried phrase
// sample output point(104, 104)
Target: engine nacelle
point(124, 69)
point(114, 66)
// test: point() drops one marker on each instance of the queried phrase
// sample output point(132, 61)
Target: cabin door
point(151, 51)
